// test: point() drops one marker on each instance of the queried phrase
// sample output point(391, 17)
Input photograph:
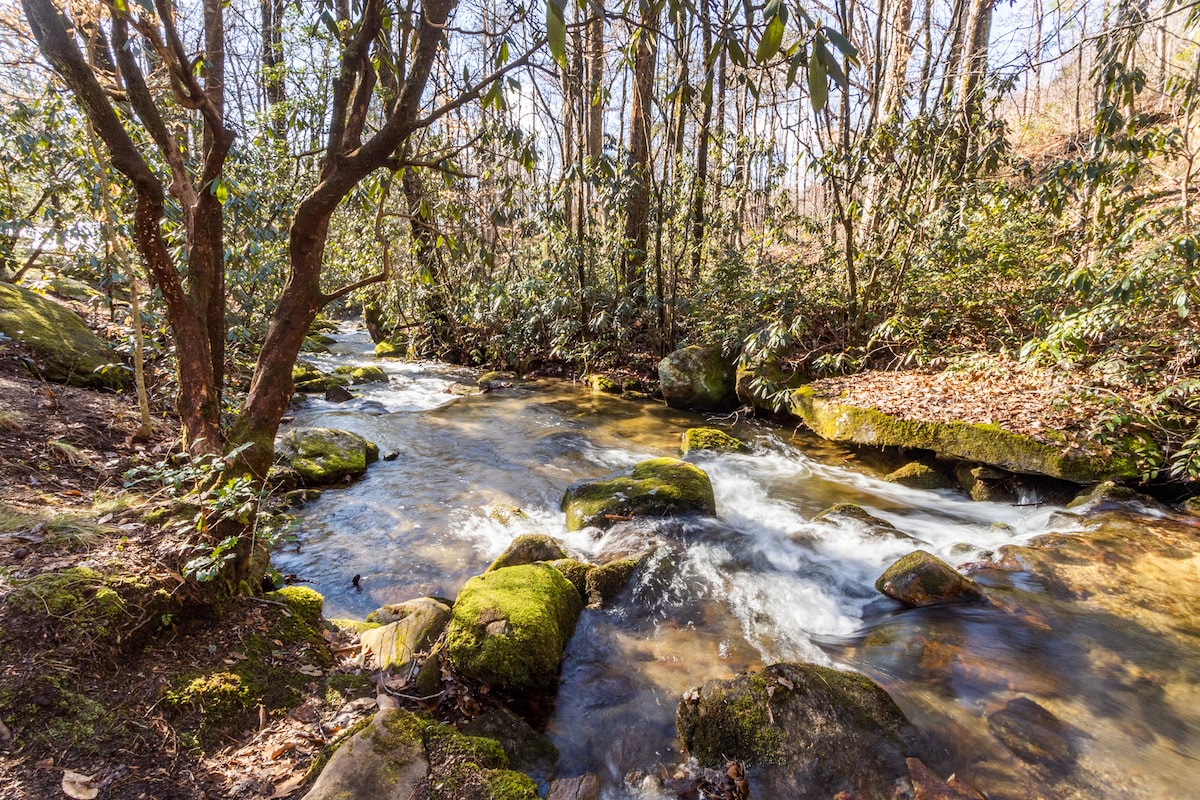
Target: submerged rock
point(530, 548)
point(659, 487)
point(713, 439)
point(802, 730)
point(67, 350)
point(698, 378)
point(510, 625)
point(922, 579)
point(1105, 492)
point(979, 443)
point(325, 455)
point(1032, 733)
point(843, 513)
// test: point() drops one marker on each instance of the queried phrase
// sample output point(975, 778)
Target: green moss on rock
point(805, 730)
point(985, 444)
point(529, 548)
point(325, 455)
point(305, 603)
point(605, 583)
point(67, 350)
point(308, 379)
point(388, 349)
point(510, 625)
point(658, 487)
point(712, 439)
point(922, 579)
point(916, 475)
point(575, 571)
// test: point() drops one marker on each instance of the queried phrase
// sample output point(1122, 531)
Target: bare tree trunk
point(633, 259)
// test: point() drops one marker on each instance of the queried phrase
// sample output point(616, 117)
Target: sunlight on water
point(765, 581)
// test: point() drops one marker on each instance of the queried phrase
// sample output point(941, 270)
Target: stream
point(764, 582)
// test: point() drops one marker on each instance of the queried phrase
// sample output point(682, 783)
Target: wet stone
point(1032, 733)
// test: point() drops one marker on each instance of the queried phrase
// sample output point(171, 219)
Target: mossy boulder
point(528, 751)
point(388, 349)
point(602, 384)
point(401, 755)
point(606, 582)
point(407, 630)
point(755, 382)
point(325, 455)
point(916, 475)
point(67, 351)
point(510, 625)
point(698, 378)
point(529, 548)
point(361, 375)
point(801, 729)
point(711, 439)
point(575, 571)
point(659, 487)
point(307, 378)
point(922, 579)
point(979, 443)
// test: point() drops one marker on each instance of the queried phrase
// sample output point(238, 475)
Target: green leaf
point(556, 31)
point(831, 65)
point(842, 43)
point(771, 39)
point(735, 52)
point(502, 54)
point(794, 67)
point(818, 88)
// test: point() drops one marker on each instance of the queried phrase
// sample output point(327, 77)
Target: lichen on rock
point(659, 487)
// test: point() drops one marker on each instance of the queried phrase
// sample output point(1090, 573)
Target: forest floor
point(81, 708)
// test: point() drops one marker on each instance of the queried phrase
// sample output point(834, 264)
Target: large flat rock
point(981, 443)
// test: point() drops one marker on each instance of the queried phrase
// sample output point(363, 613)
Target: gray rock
point(698, 378)
point(580, 787)
point(408, 629)
point(380, 762)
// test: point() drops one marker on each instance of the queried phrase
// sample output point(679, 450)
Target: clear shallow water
point(761, 583)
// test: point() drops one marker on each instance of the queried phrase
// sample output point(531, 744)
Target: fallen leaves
point(1021, 400)
point(79, 786)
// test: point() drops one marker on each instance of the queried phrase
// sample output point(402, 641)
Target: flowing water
point(763, 582)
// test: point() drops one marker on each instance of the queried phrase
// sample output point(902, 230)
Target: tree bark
point(633, 259)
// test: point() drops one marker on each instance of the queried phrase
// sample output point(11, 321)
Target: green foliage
point(211, 500)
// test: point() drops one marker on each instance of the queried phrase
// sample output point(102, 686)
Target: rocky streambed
point(735, 640)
